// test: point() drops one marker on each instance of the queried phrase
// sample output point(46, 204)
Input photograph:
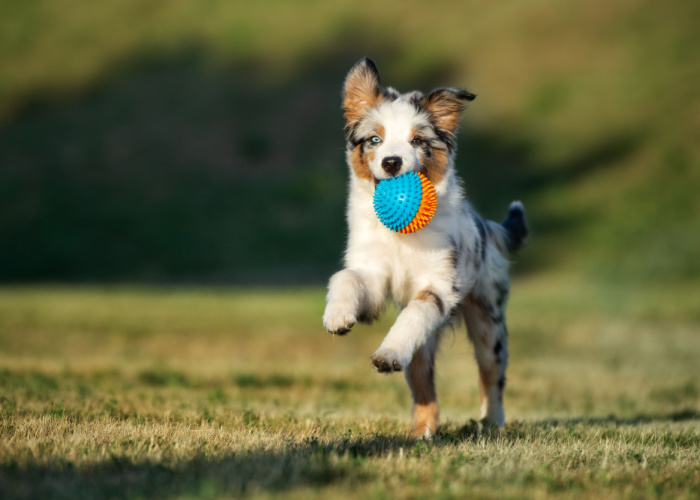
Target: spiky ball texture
point(405, 204)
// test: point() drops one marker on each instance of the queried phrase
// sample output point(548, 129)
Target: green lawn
point(217, 393)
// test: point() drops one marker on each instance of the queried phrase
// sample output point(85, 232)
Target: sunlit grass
point(218, 392)
point(202, 142)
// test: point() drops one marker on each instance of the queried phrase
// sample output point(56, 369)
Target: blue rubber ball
point(397, 200)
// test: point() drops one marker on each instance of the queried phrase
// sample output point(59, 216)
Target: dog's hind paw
point(386, 360)
point(338, 320)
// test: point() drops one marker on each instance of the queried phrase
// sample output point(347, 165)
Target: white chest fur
point(407, 263)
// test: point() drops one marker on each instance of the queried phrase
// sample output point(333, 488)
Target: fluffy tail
point(515, 226)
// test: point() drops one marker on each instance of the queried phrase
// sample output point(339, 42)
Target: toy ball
point(405, 204)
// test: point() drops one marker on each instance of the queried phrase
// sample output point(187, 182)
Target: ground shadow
point(474, 431)
point(640, 419)
point(311, 463)
point(308, 464)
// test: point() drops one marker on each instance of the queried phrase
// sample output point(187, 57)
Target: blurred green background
point(201, 142)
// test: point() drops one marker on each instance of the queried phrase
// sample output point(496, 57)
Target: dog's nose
point(392, 164)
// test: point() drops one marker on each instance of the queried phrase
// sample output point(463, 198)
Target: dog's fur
point(456, 266)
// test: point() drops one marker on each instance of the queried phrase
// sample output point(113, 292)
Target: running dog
point(456, 266)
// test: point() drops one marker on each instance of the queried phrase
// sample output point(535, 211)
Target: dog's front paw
point(386, 360)
point(338, 318)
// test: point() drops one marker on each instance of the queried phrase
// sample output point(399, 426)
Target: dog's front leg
point(353, 296)
point(425, 313)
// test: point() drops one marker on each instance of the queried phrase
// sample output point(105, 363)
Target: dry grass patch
point(180, 396)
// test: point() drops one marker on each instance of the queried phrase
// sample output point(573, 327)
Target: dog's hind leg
point(420, 376)
point(486, 327)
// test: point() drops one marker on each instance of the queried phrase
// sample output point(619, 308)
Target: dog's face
point(390, 134)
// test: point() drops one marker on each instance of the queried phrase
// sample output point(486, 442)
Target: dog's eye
point(417, 141)
point(375, 139)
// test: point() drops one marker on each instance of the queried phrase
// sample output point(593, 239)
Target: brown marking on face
point(363, 156)
point(381, 132)
point(435, 166)
point(362, 91)
point(430, 296)
point(360, 164)
point(370, 157)
point(434, 160)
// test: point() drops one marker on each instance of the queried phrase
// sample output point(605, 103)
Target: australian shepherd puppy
point(456, 266)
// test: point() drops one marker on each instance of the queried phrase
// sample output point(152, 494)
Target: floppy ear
point(361, 92)
point(445, 107)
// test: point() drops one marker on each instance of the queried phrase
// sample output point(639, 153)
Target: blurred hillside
point(202, 141)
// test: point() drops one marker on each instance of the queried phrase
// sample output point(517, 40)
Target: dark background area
point(204, 144)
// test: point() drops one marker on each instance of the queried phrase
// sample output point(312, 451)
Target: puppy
point(456, 266)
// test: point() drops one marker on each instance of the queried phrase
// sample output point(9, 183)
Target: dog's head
point(390, 134)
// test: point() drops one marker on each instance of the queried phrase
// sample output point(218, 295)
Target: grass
point(186, 393)
point(181, 142)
